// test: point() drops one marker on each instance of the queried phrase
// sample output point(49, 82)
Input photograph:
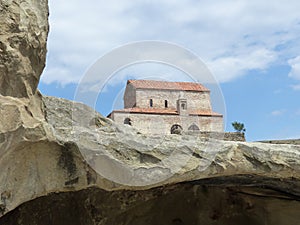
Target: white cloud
point(60, 75)
point(296, 87)
point(228, 68)
point(278, 112)
point(295, 68)
point(232, 37)
point(148, 71)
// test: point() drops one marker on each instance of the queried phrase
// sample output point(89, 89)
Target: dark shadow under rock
point(180, 204)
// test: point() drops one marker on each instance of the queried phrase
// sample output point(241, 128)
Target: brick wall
point(195, 100)
point(161, 124)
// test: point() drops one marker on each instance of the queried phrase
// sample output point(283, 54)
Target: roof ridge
point(168, 85)
point(166, 111)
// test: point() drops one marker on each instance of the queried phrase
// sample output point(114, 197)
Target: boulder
point(77, 167)
point(63, 163)
point(24, 30)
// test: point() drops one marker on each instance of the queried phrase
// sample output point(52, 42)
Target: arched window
point(151, 102)
point(176, 129)
point(127, 121)
point(193, 127)
point(166, 103)
point(183, 105)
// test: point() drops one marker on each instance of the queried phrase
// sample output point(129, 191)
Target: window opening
point(128, 121)
point(166, 103)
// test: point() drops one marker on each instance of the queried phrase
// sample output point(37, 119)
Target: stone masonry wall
point(195, 100)
point(161, 124)
point(226, 136)
point(288, 141)
point(129, 96)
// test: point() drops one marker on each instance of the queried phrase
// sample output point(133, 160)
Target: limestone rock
point(24, 29)
point(80, 162)
point(63, 163)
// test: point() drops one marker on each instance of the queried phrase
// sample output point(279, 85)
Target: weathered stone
point(142, 176)
point(289, 141)
point(62, 163)
point(24, 29)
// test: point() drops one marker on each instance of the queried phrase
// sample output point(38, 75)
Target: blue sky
point(251, 47)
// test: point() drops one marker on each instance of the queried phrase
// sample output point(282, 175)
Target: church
point(163, 107)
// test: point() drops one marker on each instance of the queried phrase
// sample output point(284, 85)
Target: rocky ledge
point(74, 166)
point(63, 163)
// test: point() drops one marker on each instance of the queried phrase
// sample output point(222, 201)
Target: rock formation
point(62, 163)
point(24, 30)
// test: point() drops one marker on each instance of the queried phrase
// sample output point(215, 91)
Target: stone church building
point(161, 107)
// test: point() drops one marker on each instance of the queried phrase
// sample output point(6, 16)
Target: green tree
point(239, 127)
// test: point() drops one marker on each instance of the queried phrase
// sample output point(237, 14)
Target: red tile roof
point(166, 85)
point(148, 110)
point(204, 113)
point(167, 111)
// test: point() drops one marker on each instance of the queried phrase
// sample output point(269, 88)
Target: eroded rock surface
point(23, 35)
point(103, 173)
point(62, 163)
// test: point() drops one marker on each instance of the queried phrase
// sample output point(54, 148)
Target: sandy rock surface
point(63, 163)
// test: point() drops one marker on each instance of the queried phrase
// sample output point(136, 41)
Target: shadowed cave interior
point(206, 202)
